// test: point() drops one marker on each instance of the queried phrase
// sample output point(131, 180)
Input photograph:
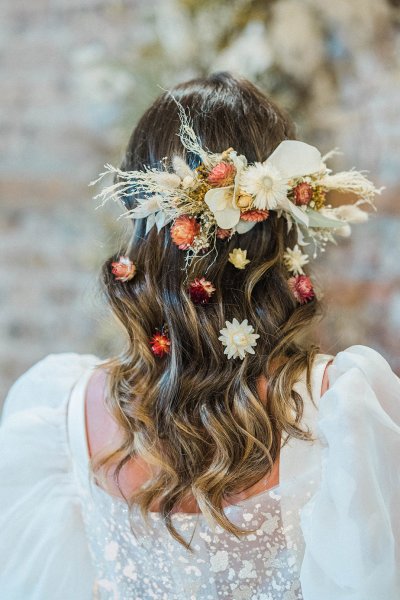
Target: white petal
point(245, 226)
point(218, 198)
point(293, 159)
point(227, 218)
point(161, 220)
point(151, 221)
point(238, 160)
point(145, 207)
point(296, 212)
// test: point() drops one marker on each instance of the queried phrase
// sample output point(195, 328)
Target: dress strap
point(76, 425)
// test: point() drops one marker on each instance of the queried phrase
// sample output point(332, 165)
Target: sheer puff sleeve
point(43, 549)
point(351, 526)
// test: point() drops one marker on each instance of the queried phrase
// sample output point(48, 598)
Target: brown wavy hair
point(195, 416)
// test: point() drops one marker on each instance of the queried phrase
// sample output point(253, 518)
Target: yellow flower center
point(267, 181)
point(240, 339)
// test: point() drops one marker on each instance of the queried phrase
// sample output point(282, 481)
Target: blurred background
point(76, 75)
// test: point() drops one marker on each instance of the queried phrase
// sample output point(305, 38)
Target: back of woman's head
point(194, 415)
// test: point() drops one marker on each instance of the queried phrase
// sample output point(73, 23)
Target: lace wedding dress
point(330, 530)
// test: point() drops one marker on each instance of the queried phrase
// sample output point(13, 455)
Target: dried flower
point(318, 198)
point(294, 260)
point(160, 344)
point(201, 290)
point(184, 230)
point(301, 288)
point(123, 269)
point(238, 258)
point(255, 216)
point(221, 202)
point(265, 183)
point(351, 213)
point(222, 175)
point(244, 200)
point(303, 192)
point(223, 234)
point(238, 338)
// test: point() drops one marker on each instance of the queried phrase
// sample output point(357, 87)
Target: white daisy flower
point(238, 258)
point(294, 260)
point(265, 183)
point(238, 338)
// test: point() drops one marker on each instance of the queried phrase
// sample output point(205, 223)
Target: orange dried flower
point(222, 175)
point(184, 230)
point(123, 269)
point(255, 215)
point(303, 193)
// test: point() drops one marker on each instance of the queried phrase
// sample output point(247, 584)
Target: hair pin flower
point(160, 342)
point(123, 269)
point(301, 288)
point(294, 260)
point(238, 338)
point(238, 258)
point(200, 290)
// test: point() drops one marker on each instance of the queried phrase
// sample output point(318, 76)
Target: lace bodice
point(144, 561)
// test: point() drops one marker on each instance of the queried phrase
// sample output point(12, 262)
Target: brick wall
point(61, 122)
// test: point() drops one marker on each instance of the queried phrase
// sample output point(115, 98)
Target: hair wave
point(194, 416)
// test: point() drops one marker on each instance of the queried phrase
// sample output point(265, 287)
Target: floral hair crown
point(225, 195)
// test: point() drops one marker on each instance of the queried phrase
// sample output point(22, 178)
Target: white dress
point(330, 530)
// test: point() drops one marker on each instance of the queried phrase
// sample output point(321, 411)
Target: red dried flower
point(223, 234)
point(123, 269)
point(160, 344)
point(255, 215)
point(303, 193)
point(201, 290)
point(302, 288)
point(184, 230)
point(221, 175)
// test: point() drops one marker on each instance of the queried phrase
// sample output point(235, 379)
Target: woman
point(220, 455)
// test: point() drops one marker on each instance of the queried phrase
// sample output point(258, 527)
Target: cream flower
point(222, 204)
point(294, 260)
point(222, 201)
point(265, 183)
point(268, 182)
point(238, 258)
point(238, 338)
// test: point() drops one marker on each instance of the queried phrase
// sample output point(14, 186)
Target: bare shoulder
point(325, 379)
point(101, 428)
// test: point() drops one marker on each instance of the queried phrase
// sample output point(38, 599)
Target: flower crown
point(224, 195)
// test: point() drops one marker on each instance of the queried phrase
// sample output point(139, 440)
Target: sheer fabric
point(328, 531)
